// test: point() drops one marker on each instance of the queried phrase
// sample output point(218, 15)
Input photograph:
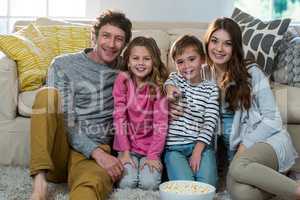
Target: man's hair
point(114, 18)
point(184, 42)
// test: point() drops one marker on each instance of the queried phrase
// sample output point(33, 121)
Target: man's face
point(109, 44)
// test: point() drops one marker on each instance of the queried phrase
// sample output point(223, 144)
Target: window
point(13, 10)
point(271, 9)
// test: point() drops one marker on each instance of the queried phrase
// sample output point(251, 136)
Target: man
point(71, 124)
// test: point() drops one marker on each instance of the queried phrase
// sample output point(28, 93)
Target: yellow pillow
point(32, 53)
point(67, 39)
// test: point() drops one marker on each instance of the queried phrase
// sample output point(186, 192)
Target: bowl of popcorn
point(187, 190)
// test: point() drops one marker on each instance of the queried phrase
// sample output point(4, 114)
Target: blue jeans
point(227, 127)
point(176, 160)
point(139, 178)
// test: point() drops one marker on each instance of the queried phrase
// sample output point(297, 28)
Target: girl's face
point(220, 48)
point(140, 63)
point(189, 64)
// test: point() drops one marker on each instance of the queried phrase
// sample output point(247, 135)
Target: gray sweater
point(87, 103)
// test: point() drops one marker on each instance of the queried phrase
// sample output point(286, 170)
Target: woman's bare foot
point(39, 191)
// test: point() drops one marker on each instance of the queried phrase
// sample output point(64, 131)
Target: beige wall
point(164, 10)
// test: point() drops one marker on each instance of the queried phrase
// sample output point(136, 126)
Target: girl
point(141, 114)
point(251, 121)
point(189, 152)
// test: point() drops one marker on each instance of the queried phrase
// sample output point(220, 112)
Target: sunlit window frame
point(8, 17)
point(271, 16)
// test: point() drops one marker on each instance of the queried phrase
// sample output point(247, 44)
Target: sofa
point(15, 106)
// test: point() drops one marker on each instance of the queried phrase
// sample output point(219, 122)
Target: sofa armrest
point(8, 88)
point(287, 99)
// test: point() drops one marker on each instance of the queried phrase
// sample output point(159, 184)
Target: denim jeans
point(176, 160)
point(139, 178)
point(227, 127)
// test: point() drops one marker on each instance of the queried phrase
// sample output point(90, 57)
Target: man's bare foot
point(39, 191)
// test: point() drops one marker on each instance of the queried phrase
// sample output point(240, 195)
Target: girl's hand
point(127, 159)
point(153, 164)
point(195, 159)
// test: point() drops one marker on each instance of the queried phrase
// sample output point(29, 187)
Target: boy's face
point(189, 65)
point(109, 44)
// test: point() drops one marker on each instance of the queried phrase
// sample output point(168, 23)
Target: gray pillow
point(260, 39)
point(284, 57)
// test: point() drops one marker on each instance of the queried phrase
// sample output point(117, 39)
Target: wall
point(164, 10)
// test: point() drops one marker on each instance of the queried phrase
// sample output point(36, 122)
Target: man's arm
point(79, 141)
point(58, 78)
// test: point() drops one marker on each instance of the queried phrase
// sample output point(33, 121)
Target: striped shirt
point(200, 112)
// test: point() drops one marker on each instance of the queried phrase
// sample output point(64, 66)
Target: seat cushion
point(288, 102)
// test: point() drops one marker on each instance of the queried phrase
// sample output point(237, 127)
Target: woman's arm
point(265, 117)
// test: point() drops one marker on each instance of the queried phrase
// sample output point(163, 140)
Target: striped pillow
point(67, 39)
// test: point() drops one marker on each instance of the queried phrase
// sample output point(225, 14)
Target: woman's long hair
point(236, 80)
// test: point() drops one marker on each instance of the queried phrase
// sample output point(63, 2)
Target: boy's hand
point(173, 96)
point(173, 93)
point(195, 159)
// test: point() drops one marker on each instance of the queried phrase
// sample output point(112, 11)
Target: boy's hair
point(114, 18)
point(184, 42)
point(159, 72)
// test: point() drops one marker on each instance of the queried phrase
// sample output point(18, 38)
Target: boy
point(189, 153)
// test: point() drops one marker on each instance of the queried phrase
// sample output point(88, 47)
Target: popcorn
point(185, 188)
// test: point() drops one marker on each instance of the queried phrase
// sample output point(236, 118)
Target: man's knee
point(46, 98)
point(47, 92)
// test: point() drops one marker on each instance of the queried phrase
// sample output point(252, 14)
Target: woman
point(250, 120)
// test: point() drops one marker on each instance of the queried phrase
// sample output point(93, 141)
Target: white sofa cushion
point(14, 141)
point(25, 103)
point(287, 99)
point(9, 88)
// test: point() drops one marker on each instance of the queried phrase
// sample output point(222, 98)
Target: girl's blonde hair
point(159, 73)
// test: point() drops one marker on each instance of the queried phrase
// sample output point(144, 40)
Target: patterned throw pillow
point(290, 63)
point(261, 39)
point(32, 53)
point(67, 39)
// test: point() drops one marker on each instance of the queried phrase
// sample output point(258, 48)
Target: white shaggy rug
point(15, 184)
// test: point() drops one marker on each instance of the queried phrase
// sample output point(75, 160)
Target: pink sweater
point(141, 122)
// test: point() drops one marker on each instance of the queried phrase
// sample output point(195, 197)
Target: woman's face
point(220, 48)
